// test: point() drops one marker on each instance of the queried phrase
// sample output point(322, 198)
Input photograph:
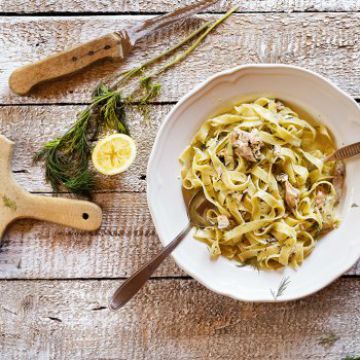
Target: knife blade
point(117, 45)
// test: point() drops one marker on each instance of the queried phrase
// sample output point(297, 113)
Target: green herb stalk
point(67, 157)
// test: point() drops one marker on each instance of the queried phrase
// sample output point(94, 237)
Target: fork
point(345, 152)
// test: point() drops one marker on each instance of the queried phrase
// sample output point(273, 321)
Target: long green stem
point(128, 74)
point(188, 51)
point(67, 157)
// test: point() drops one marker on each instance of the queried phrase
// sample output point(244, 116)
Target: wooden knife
point(116, 45)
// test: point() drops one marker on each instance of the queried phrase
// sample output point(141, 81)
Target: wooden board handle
point(25, 78)
point(82, 215)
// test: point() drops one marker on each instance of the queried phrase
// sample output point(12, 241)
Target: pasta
point(262, 167)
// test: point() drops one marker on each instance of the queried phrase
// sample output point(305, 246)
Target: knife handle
point(116, 46)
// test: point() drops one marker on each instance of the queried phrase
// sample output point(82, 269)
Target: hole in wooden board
point(85, 216)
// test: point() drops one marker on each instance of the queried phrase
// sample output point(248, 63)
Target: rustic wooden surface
point(69, 320)
point(54, 282)
point(160, 6)
point(325, 42)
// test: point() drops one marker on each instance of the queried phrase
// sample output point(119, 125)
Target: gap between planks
point(147, 13)
point(154, 103)
point(154, 7)
point(122, 278)
point(151, 103)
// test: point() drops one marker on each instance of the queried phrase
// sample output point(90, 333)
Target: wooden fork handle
point(116, 45)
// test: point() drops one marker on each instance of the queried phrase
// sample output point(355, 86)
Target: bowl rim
point(153, 154)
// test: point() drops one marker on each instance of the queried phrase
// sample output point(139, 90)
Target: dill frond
point(125, 76)
point(112, 110)
point(67, 157)
point(282, 287)
point(149, 92)
point(83, 182)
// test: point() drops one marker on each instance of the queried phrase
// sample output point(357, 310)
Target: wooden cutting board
point(17, 203)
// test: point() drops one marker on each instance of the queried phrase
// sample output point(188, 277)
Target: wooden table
point(55, 282)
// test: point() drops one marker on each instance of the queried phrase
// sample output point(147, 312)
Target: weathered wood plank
point(174, 319)
point(325, 42)
point(154, 6)
point(31, 126)
point(126, 239)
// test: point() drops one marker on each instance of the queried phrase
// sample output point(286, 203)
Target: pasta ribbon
point(262, 167)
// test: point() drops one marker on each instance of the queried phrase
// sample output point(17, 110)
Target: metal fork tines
point(345, 153)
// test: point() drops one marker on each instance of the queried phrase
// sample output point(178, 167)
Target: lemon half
point(114, 154)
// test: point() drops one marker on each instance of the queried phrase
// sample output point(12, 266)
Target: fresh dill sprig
point(281, 289)
point(120, 79)
point(149, 92)
point(152, 90)
point(111, 110)
point(195, 45)
point(67, 157)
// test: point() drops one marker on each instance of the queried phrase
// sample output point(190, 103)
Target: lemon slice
point(114, 154)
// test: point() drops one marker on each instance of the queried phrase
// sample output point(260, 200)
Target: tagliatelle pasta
point(263, 169)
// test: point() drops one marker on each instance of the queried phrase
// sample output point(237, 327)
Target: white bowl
point(333, 255)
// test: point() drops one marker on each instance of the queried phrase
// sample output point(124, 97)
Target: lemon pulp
point(114, 154)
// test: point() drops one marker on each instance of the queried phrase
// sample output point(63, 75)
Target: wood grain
point(147, 6)
point(126, 239)
point(174, 320)
point(324, 42)
point(66, 63)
